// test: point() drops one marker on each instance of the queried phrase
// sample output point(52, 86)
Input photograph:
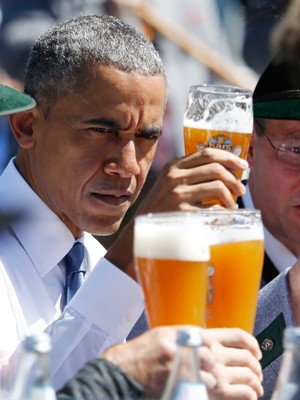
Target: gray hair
point(60, 59)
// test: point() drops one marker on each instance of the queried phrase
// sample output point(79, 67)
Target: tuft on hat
point(277, 93)
point(13, 101)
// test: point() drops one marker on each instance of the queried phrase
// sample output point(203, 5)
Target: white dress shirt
point(32, 278)
point(280, 255)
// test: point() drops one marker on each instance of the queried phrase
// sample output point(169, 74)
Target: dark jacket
point(100, 379)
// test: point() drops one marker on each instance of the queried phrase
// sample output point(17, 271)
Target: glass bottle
point(184, 382)
point(288, 383)
point(32, 379)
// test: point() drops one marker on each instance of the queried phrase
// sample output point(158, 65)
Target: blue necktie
point(140, 327)
point(75, 270)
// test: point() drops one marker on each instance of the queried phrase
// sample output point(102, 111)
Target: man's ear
point(21, 125)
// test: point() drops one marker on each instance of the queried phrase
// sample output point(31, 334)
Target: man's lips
point(112, 199)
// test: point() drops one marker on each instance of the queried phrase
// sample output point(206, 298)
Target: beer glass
point(237, 252)
point(172, 261)
point(218, 116)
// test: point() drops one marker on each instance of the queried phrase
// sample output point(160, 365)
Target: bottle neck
point(32, 380)
point(184, 382)
point(291, 363)
point(187, 363)
point(288, 382)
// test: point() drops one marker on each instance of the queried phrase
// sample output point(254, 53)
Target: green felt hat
point(13, 101)
point(277, 93)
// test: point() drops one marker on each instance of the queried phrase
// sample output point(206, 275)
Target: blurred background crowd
point(200, 41)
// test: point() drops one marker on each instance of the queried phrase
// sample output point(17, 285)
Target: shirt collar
point(44, 237)
point(279, 254)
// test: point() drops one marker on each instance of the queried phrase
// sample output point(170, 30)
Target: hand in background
point(237, 371)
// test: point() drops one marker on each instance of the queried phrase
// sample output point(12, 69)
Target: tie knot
point(73, 260)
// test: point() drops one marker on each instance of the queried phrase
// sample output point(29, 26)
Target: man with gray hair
point(84, 154)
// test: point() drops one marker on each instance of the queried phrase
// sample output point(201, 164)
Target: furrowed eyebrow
point(109, 123)
point(149, 132)
point(152, 131)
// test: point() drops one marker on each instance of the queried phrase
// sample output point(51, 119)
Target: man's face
point(274, 184)
point(89, 161)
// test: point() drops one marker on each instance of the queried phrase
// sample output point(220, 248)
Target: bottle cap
point(38, 342)
point(190, 336)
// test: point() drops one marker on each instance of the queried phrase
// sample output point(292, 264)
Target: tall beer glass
point(218, 116)
point(172, 261)
point(237, 252)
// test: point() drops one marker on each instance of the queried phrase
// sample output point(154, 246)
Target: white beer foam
point(231, 234)
point(170, 241)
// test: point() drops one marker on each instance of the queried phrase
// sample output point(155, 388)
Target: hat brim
point(278, 109)
point(13, 101)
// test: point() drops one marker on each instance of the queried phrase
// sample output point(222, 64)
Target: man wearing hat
point(275, 172)
point(274, 184)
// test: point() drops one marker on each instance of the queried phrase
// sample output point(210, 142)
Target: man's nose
point(124, 162)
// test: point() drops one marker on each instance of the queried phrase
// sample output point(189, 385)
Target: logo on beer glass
point(221, 142)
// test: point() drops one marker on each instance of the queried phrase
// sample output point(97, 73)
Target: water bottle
point(288, 383)
point(184, 382)
point(32, 379)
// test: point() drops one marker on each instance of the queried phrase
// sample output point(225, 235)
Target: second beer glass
point(172, 261)
point(237, 252)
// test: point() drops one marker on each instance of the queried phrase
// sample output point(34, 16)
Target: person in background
point(274, 187)
point(261, 17)
point(277, 107)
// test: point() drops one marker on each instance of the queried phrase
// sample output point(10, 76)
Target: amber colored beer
point(218, 116)
point(172, 267)
point(236, 240)
point(235, 283)
point(195, 139)
point(175, 290)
